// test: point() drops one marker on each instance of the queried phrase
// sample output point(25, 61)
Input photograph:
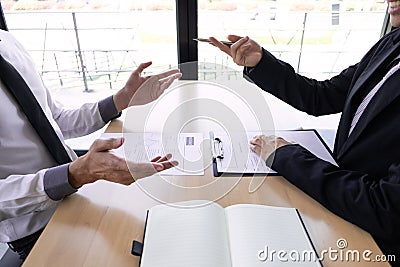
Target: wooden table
point(96, 225)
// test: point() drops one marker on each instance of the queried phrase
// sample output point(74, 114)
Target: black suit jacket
point(365, 188)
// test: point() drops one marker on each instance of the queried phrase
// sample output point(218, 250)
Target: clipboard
point(246, 163)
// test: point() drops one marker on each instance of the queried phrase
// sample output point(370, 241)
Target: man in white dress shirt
point(31, 182)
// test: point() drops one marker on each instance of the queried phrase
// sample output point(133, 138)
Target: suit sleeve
point(372, 203)
point(309, 95)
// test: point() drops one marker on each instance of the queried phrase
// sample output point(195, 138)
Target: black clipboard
point(218, 154)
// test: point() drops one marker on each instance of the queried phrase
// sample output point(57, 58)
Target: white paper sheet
point(185, 148)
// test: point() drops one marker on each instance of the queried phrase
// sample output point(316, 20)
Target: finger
point(234, 38)
point(165, 158)
point(156, 159)
point(167, 73)
point(173, 76)
point(236, 46)
point(256, 138)
point(106, 144)
point(164, 85)
point(143, 66)
point(269, 138)
point(156, 166)
point(169, 164)
point(144, 169)
point(168, 80)
point(256, 149)
point(256, 142)
point(220, 45)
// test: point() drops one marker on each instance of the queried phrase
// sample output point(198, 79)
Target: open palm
point(153, 86)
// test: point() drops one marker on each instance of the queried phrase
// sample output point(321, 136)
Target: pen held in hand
point(205, 40)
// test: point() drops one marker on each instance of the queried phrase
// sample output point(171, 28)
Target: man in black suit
point(365, 188)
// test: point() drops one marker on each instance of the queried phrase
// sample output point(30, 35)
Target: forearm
point(87, 119)
point(24, 194)
point(309, 95)
point(365, 201)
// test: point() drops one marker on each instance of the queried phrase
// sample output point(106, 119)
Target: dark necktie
point(33, 111)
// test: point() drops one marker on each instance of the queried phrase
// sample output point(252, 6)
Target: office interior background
point(85, 50)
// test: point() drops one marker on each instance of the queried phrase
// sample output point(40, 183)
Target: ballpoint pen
point(205, 40)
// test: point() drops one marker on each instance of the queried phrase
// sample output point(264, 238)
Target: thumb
point(143, 66)
point(106, 144)
point(234, 38)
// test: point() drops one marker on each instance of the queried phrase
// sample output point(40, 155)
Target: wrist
point(121, 100)
point(75, 174)
point(259, 57)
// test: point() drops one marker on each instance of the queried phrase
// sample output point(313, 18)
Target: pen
point(205, 40)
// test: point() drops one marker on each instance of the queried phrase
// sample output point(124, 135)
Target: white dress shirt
point(367, 99)
point(31, 185)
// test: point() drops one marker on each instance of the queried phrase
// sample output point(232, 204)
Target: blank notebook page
point(252, 227)
point(186, 237)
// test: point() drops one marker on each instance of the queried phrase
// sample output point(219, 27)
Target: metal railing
point(68, 55)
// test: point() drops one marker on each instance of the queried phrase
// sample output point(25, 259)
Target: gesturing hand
point(140, 90)
point(100, 164)
point(264, 146)
point(244, 51)
point(153, 87)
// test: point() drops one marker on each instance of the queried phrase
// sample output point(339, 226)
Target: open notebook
point(199, 233)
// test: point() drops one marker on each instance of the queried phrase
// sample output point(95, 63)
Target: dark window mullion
point(186, 23)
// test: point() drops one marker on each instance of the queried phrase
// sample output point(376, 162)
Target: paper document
point(237, 156)
point(185, 148)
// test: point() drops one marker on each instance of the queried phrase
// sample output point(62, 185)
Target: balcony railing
point(88, 50)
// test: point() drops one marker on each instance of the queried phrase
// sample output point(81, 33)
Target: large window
point(93, 45)
point(318, 38)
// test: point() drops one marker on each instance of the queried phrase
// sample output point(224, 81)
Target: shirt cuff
point(248, 70)
point(107, 109)
point(56, 184)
